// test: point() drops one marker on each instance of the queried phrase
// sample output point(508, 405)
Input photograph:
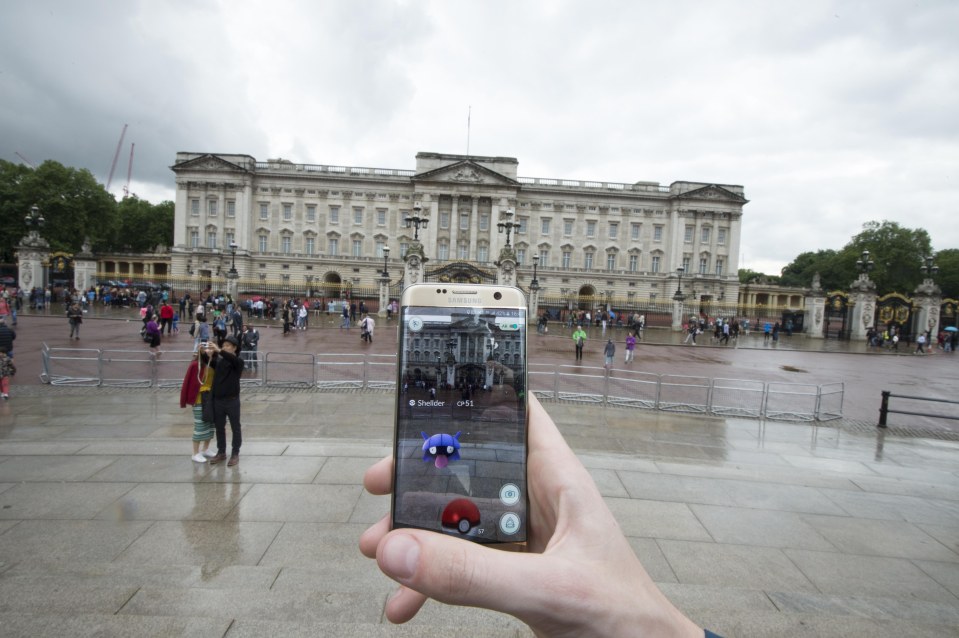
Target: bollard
point(884, 408)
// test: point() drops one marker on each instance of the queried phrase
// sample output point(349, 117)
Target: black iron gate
point(895, 311)
point(835, 325)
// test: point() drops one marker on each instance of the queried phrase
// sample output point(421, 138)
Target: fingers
point(370, 538)
point(458, 572)
point(378, 478)
point(404, 604)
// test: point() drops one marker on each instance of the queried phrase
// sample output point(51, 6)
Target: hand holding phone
point(460, 436)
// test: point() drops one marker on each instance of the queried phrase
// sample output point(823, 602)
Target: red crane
point(116, 156)
point(126, 187)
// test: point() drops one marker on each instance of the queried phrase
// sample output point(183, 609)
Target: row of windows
point(482, 253)
point(464, 221)
point(704, 235)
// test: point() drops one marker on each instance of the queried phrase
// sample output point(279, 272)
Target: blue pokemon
point(442, 448)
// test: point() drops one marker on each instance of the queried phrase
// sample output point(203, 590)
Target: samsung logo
point(463, 300)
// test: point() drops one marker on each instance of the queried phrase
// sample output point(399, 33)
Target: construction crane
point(126, 187)
point(25, 160)
point(116, 156)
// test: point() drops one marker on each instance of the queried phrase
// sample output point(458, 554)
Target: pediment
point(208, 162)
point(466, 172)
point(714, 193)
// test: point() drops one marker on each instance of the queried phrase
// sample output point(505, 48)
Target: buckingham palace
point(327, 229)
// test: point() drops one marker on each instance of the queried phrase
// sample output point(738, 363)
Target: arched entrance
point(586, 299)
point(332, 284)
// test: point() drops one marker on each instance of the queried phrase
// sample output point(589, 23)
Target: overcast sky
point(829, 113)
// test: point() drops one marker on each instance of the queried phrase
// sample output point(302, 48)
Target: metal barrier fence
point(623, 388)
point(694, 395)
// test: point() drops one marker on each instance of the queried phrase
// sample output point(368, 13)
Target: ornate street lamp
point(534, 284)
point(416, 221)
point(34, 220)
point(864, 265)
point(506, 224)
point(386, 256)
point(233, 247)
point(928, 268)
point(678, 295)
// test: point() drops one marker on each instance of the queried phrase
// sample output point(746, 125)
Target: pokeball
point(461, 514)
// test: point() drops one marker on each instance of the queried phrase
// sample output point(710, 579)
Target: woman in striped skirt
point(197, 380)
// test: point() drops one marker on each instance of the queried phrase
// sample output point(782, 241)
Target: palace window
point(588, 261)
point(634, 231)
point(520, 255)
point(657, 233)
point(721, 236)
point(194, 239)
point(358, 216)
point(611, 261)
point(567, 227)
point(484, 221)
point(333, 246)
point(443, 251)
point(357, 247)
point(262, 243)
point(543, 256)
point(264, 210)
point(194, 207)
point(523, 223)
point(228, 238)
point(231, 208)
point(704, 235)
point(686, 264)
point(655, 264)
point(444, 219)
point(613, 230)
point(590, 229)
point(334, 214)
point(545, 226)
point(381, 217)
point(464, 221)
point(567, 258)
point(311, 212)
point(719, 266)
point(463, 251)
point(404, 248)
point(287, 212)
point(309, 245)
point(211, 239)
point(211, 207)
point(688, 235)
point(287, 244)
point(633, 263)
point(482, 253)
point(703, 265)
point(380, 245)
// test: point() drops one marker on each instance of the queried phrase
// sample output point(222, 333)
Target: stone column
point(506, 267)
point(232, 277)
point(814, 320)
point(84, 268)
point(927, 301)
point(384, 283)
point(413, 270)
point(862, 298)
point(32, 253)
point(533, 303)
point(678, 313)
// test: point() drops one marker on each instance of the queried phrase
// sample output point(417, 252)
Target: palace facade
point(311, 226)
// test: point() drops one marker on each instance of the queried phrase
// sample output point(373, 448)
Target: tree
point(71, 201)
point(801, 270)
point(948, 277)
point(747, 276)
point(897, 253)
point(143, 226)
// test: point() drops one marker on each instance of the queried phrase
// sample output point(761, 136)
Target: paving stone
point(699, 597)
point(26, 625)
point(207, 543)
point(608, 483)
point(733, 566)
point(299, 503)
point(946, 574)
point(369, 508)
point(780, 625)
point(68, 540)
point(344, 470)
point(177, 502)
point(134, 575)
point(867, 607)
point(881, 538)
point(892, 507)
point(763, 528)
point(851, 575)
point(61, 598)
point(244, 628)
point(655, 564)
point(41, 448)
point(656, 519)
point(268, 469)
point(59, 500)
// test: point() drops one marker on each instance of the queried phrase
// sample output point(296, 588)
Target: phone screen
point(460, 443)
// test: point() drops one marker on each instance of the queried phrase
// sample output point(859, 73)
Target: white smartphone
point(460, 441)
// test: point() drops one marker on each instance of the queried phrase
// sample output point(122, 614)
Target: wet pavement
point(754, 528)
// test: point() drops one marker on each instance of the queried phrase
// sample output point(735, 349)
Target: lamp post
point(507, 225)
point(416, 221)
point(233, 247)
point(34, 221)
point(678, 295)
point(534, 284)
point(864, 265)
point(929, 269)
point(386, 256)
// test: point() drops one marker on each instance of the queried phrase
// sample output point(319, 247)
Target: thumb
point(459, 572)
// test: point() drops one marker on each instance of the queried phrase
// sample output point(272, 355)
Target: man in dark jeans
point(227, 370)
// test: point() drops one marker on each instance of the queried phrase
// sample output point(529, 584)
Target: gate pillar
point(862, 297)
point(815, 320)
point(926, 304)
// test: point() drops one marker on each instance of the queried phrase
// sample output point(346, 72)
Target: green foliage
point(747, 276)
point(896, 253)
point(75, 207)
point(803, 268)
point(948, 277)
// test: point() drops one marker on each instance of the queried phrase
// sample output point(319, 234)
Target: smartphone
point(459, 444)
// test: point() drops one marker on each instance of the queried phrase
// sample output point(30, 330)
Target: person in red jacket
point(166, 317)
point(198, 379)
